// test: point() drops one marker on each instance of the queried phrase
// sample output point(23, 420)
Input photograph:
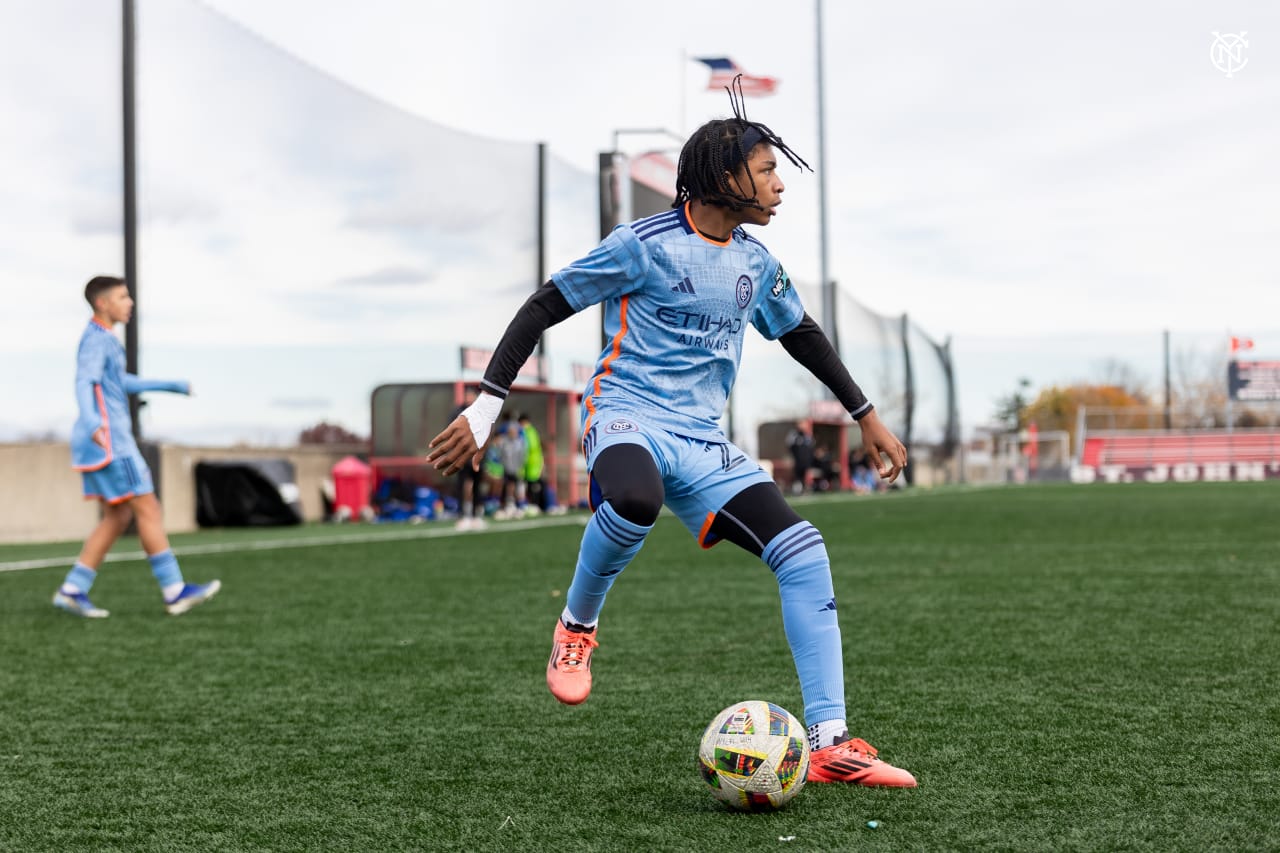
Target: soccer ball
point(754, 756)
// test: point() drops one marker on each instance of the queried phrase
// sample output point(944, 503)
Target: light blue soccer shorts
point(125, 477)
point(698, 476)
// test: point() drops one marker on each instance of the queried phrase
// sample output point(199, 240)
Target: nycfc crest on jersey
point(676, 307)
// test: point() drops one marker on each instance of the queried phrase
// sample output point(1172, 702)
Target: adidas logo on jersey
point(685, 286)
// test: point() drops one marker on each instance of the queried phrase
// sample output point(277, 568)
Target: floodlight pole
point(1168, 386)
point(130, 203)
point(541, 271)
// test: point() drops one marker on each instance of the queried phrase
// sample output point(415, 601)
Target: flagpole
point(828, 287)
point(684, 91)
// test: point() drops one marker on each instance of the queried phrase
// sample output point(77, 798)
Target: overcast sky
point(1050, 186)
point(982, 158)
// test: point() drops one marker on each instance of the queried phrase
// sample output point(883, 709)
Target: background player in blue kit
point(679, 290)
point(114, 472)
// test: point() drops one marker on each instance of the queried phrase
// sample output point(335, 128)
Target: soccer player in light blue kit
point(679, 290)
point(113, 471)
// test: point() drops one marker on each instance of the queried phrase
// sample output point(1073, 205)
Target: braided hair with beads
point(717, 149)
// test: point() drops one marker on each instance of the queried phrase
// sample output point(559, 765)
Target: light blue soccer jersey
point(676, 307)
point(102, 396)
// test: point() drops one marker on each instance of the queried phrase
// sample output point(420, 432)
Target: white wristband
point(481, 415)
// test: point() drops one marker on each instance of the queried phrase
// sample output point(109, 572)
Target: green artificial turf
point(1063, 668)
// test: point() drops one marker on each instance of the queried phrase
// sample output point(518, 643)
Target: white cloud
point(993, 170)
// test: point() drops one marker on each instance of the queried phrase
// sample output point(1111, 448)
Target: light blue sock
point(608, 544)
point(80, 577)
point(165, 568)
point(798, 558)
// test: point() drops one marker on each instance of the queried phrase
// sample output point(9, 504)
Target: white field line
point(431, 533)
point(305, 542)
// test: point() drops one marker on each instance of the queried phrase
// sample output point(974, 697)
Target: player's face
point(116, 304)
point(761, 168)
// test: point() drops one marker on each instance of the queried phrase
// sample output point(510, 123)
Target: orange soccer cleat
point(569, 670)
point(854, 761)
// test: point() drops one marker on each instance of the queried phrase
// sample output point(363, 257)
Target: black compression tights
point(626, 476)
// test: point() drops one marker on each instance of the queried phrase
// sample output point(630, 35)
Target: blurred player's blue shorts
point(126, 477)
point(699, 476)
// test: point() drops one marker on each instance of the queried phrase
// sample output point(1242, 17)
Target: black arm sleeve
point(546, 307)
point(808, 345)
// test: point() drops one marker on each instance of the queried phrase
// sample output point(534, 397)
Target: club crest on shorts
point(621, 426)
point(744, 291)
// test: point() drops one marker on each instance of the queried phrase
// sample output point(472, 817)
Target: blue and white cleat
point(79, 604)
point(192, 594)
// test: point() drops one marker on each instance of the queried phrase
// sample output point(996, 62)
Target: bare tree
point(1122, 375)
point(1199, 381)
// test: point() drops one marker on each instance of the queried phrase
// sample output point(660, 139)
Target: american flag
point(724, 69)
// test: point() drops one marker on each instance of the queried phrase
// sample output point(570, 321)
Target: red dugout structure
point(406, 416)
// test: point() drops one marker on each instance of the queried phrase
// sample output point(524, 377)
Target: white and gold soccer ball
point(754, 756)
